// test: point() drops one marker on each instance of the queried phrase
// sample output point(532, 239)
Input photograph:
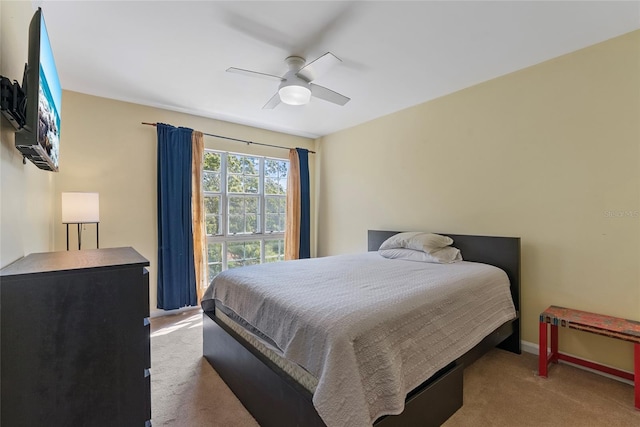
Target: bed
point(276, 396)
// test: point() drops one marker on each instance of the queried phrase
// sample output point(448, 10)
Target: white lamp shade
point(80, 208)
point(294, 95)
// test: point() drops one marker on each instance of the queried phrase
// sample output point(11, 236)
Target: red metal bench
point(613, 327)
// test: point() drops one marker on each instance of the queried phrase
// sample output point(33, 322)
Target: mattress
point(295, 371)
point(369, 329)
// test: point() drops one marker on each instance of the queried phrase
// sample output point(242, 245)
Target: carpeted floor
point(500, 389)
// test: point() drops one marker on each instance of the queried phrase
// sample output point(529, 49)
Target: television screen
point(39, 140)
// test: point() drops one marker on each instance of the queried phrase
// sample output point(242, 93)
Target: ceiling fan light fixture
point(294, 94)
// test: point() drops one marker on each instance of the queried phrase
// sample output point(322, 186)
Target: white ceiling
point(173, 54)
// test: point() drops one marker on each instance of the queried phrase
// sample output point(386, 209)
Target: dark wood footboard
point(269, 394)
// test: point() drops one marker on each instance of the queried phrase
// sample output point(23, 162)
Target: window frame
point(225, 237)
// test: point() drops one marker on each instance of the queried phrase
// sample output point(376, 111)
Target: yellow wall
point(26, 192)
point(546, 154)
point(105, 148)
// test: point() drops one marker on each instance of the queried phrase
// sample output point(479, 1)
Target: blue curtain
point(176, 271)
point(305, 208)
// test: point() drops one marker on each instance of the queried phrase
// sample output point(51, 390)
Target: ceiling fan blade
point(272, 103)
point(328, 95)
point(254, 74)
point(318, 67)
point(257, 30)
point(341, 16)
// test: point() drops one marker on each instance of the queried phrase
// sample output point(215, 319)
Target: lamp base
point(80, 224)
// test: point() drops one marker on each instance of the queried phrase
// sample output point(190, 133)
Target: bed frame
point(275, 399)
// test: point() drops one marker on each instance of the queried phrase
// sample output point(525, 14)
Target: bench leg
point(542, 352)
point(553, 357)
point(636, 374)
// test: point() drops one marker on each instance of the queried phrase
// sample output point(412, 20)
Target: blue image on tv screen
point(49, 98)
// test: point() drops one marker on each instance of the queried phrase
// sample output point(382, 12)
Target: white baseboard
point(532, 348)
point(160, 312)
point(529, 347)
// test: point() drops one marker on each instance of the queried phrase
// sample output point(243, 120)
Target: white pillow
point(417, 240)
point(446, 255)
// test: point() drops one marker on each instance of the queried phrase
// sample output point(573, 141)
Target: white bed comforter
point(369, 328)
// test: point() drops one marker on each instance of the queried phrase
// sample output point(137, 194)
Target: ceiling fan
point(295, 86)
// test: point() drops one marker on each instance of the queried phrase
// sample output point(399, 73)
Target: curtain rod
point(237, 140)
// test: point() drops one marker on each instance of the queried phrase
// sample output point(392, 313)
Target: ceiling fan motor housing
point(294, 90)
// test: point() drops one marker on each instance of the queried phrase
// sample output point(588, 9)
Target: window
point(245, 200)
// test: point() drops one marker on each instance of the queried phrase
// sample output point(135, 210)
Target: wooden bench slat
point(615, 327)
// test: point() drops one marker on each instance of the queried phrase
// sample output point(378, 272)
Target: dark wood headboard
point(502, 252)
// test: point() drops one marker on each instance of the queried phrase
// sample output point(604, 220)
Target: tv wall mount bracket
point(13, 100)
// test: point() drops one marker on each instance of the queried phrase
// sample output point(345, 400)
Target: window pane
point(271, 186)
point(273, 250)
point(276, 223)
point(214, 270)
point(272, 223)
point(214, 252)
point(211, 162)
point(214, 259)
point(212, 215)
point(234, 184)
point(234, 163)
point(276, 172)
point(211, 181)
point(276, 168)
point(212, 223)
point(251, 223)
point(251, 166)
point(235, 252)
point(272, 205)
point(243, 253)
point(275, 211)
point(244, 214)
point(252, 211)
point(274, 186)
point(236, 205)
point(236, 224)
point(270, 168)
point(251, 184)
point(212, 204)
point(252, 204)
point(236, 215)
point(283, 186)
point(252, 251)
point(244, 174)
point(234, 264)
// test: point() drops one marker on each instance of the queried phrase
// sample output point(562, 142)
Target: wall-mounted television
point(39, 139)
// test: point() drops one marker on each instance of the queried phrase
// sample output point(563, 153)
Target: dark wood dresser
point(74, 343)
